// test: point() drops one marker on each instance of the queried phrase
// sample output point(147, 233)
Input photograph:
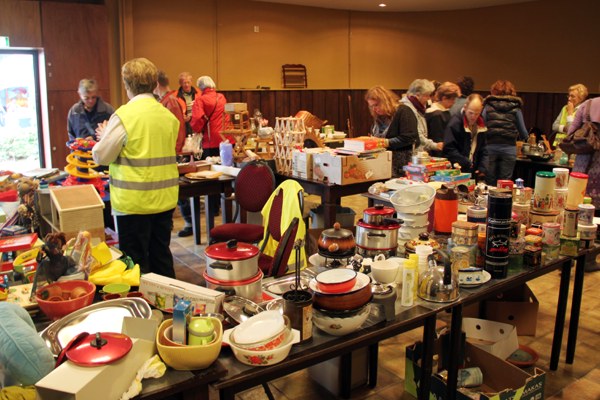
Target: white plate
point(486, 278)
point(259, 327)
point(337, 275)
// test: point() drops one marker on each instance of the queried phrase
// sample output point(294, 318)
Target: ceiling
point(397, 5)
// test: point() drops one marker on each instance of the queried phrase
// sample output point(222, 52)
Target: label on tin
point(497, 243)
point(570, 222)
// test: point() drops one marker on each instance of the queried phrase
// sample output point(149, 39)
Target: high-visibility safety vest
point(144, 178)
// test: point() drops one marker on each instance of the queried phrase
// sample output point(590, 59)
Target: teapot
point(439, 283)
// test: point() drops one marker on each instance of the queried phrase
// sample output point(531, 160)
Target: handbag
point(585, 140)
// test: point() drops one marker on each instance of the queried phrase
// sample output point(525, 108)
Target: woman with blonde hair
point(394, 123)
point(577, 94)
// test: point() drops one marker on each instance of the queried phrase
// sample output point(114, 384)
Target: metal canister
point(505, 184)
point(498, 232)
point(534, 241)
point(461, 258)
point(464, 233)
point(543, 196)
point(562, 177)
point(586, 214)
point(477, 214)
point(532, 256)
point(551, 233)
point(570, 222)
point(522, 212)
point(560, 198)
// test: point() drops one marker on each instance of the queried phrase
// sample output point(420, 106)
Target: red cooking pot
point(232, 261)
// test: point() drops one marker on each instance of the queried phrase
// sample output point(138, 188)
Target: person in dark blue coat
point(89, 113)
point(465, 138)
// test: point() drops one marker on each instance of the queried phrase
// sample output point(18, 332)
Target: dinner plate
point(199, 175)
point(486, 278)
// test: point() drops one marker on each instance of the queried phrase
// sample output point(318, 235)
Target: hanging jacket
point(144, 178)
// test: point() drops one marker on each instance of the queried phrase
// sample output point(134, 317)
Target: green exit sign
point(4, 41)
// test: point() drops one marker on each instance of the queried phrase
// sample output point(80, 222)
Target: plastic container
point(423, 251)
point(226, 153)
point(408, 283)
point(543, 196)
point(577, 185)
point(445, 210)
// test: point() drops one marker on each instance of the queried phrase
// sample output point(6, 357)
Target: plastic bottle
point(226, 153)
point(415, 259)
point(423, 251)
point(408, 283)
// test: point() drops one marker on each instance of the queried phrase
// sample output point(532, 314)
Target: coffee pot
point(439, 283)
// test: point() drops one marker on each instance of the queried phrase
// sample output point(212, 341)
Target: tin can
point(480, 259)
point(570, 222)
point(540, 218)
point(527, 195)
point(498, 270)
point(587, 232)
point(477, 214)
point(534, 231)
point(551, 233)
point(505, 184)
point(587, 200)
point(569, 246)
point(577, 185)
point(560, 198)
point(586, 214)
point(498, 232)
point(464, 233)
point(551, 252)
point(562, 177)
point(461, 258)
point(543, 196)
point(533, 240)
point(532, 257)
point(522, 212)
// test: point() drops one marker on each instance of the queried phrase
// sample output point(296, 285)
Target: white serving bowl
point(259, 328)
point(385, 271)
point(413, 199)
point(262, 358)
point(336, 325)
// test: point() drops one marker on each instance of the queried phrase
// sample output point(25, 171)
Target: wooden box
point(73, 209)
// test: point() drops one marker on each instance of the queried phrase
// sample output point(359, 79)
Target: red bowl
point(58, 309)
point(339, 280)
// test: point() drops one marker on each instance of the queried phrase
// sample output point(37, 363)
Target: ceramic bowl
point(60, 307)
point(268, 343)
point(338, 280)
point(185, 358)
point(264, 357)
point(355, 298)
point(336, 325)
point(385, 271)
point(167, 338)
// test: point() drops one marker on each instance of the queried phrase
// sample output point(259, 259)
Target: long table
point(331, 194)
point(526, 169)
point(324, 347)
point(193, 189)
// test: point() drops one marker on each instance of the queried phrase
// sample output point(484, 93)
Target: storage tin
point(577, 185)
point(533, 240)
point(543, 195)
point(586, 214)
point(570, 222)
point(551, 233)
point(562, 177)
point(464, 233)
point(532, 256)
point(522, 212)
point(560, 198)
point(540, 218)
point(587, 232)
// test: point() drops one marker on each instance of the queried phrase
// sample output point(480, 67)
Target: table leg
point(195, 209)
point(561, 310)
point(575, 307)
point(346, 375)
point(210, 218)
point(329, 214)
point(226, 394)
point(427, 360)
point(373, 354)
point(226, 206)
point(455, 351)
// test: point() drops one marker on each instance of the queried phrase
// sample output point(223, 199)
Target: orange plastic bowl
point(60, 308)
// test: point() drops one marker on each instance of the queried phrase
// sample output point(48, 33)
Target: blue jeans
point(501, 163)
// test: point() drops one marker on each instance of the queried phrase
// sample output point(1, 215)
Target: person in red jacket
point(167, 98)
point(207, 116)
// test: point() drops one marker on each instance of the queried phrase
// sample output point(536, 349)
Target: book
point(363, 143)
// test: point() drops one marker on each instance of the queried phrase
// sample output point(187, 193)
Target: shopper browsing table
point(87, 114)
point(138, 144)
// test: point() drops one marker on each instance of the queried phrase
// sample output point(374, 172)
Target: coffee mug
point(385, 271)
point(111, 296)
point(116, 288)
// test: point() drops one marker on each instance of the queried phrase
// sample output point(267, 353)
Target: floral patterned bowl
point(340, 323)
point(263, 358)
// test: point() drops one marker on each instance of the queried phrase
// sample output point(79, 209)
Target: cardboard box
point(163, 293)
point(501, 380)
point(518, 307)
point(344, 170)
point(328, 373)
point(494, 337)
point(236, 107)
point(72, 382)
point(302, 162)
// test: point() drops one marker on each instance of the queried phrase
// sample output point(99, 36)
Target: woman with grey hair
point(206, 82)
point(418, 94)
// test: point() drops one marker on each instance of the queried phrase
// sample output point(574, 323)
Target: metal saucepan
point(250, 289)
point(232, 261)
point(372, 237)
point(376, 215)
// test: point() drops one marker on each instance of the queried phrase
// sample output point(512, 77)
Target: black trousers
point(146, 239)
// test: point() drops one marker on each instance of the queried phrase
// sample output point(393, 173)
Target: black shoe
point(185, 232)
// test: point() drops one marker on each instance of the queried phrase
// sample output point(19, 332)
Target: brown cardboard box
point(518, 307)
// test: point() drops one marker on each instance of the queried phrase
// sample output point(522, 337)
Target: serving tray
point(105, 316)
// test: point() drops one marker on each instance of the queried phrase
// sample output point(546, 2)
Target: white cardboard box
point(73, 382)
point(302, 162)
point(236, 107)
point(344, 170)
point(163, 293)
point(494, 337)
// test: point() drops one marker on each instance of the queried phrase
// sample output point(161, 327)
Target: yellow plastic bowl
point(185, 358)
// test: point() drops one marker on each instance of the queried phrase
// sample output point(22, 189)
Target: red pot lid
point(379, 209)
point(579, 175)
point(248, 281)
point(231, 250)
point(390, 226)
point(99, 348)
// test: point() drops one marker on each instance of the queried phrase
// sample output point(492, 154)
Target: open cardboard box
point(501, 380)
point(518, 307)
point(73, 382)
point(494, 337)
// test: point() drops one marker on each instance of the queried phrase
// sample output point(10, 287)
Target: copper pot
point(337, 242)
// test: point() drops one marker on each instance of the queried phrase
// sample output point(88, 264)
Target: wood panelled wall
point(540, 109)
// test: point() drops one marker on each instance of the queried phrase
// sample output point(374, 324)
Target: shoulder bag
point(585, 140)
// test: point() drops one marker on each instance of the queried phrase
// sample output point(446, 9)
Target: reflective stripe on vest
point(144, 185)
point(146, 162)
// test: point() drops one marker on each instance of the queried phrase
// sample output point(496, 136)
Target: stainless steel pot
point(231, 261)
point(250, 289)
point(378, 214)
point(376, 237)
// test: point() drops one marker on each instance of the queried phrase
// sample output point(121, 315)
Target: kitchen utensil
point(249, 288)
point(90, 350)
point(439, 283)
point(337, 242)
point(336, 280)
point(240, 308)
point(413, 198)
point(377, 215)
point(298, 302)
point(232, 261)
